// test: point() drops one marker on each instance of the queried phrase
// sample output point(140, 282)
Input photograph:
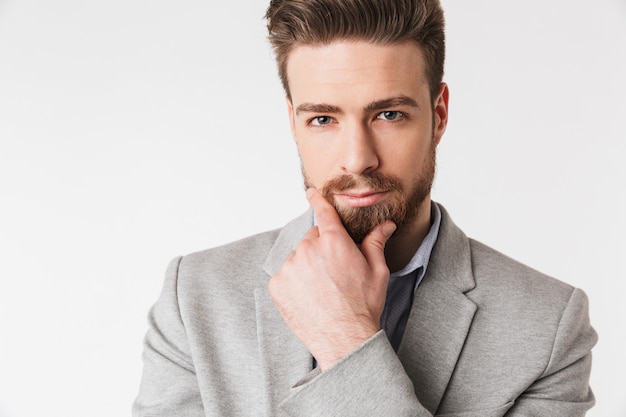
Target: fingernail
point(388, 229)
point(309, 192)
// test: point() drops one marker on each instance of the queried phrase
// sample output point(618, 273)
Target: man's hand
point(330, 292)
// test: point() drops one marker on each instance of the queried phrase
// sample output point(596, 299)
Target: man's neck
point(401, 247)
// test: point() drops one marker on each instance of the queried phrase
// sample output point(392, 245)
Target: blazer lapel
point(440, 317)
point(284, 359)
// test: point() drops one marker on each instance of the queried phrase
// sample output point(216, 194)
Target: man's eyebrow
point(318, 108)
point(383, 104)
point(391, 102)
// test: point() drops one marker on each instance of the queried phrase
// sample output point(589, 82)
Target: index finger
point(326, 215)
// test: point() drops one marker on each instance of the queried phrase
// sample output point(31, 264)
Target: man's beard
point(401, 206)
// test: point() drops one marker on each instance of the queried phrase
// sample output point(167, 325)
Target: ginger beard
point(401, 207)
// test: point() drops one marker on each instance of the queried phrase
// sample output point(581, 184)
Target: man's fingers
point(325, 213)
point(373, 246)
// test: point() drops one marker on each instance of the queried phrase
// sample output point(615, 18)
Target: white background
point(134, 131)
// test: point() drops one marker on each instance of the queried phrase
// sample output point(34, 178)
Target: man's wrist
point(339, 348)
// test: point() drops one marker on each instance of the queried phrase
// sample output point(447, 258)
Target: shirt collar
point(422, 255)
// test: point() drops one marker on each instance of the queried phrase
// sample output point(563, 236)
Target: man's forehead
point(373, 71)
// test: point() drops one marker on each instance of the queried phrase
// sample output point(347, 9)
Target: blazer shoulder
point(494, 268)
point(236, 264)
point(241, 265)
point(508, 290)
point(478, 269)
point(244, 251)
point(250, 253)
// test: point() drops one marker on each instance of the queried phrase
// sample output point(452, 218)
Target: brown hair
point(292, 23)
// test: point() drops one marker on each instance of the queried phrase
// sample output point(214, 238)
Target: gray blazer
point(486, 337)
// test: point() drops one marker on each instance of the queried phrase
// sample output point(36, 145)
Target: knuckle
point(311, 233)
point(303, 247)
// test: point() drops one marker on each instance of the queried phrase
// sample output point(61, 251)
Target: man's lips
point(360, 198)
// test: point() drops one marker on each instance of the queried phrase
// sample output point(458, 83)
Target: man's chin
point(358, 235)
point(360, 221)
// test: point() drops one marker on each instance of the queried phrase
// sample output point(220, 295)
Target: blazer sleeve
point(168, 385)
point(369, 381)
point(372, 382)
point(563, 389)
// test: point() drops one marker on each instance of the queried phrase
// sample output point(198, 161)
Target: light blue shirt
point(422, 256)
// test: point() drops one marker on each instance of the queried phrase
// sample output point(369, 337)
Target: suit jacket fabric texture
point(486, 337)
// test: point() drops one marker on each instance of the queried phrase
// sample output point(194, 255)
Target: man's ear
point(292, 121)
point(440, 109)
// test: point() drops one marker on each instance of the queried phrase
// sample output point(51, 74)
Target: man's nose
point(359, 153)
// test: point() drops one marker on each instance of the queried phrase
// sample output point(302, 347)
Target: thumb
point(373, 246)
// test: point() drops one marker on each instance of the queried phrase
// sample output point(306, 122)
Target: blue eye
point(390, 115)
point(321, 120)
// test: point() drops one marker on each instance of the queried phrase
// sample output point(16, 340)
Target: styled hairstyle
point(293, 23)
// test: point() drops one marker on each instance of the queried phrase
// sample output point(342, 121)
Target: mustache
point(374, 181)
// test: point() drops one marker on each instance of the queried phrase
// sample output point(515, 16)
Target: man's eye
point(321, 120)
point(390, 115)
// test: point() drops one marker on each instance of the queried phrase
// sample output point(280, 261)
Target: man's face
point(366, 129)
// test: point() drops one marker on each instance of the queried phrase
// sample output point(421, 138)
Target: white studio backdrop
point(133, 131)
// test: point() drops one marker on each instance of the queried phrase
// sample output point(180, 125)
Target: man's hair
point(293, 23)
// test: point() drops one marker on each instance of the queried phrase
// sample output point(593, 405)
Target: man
point(308, 320)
